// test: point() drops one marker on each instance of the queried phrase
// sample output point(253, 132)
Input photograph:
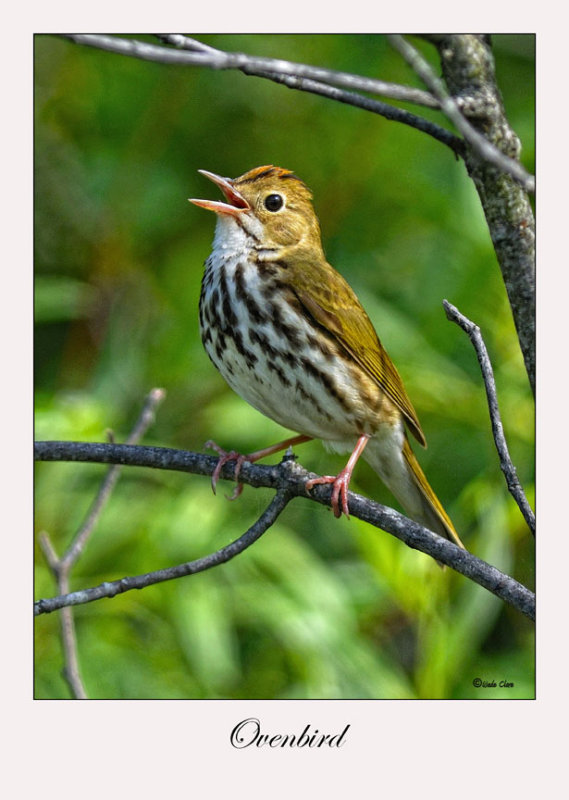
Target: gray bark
point(468, 68)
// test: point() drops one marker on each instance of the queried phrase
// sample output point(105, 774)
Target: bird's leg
point(342, 480)
point(240, 458)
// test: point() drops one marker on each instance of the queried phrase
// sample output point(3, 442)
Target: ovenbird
point(289, 335)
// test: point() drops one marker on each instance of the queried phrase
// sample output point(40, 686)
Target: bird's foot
point(224, 457)
point(240, 458)
point(339, 490)
point(342, 480)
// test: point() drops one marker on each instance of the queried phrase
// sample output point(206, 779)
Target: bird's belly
point(291, 396)
point(285, 366)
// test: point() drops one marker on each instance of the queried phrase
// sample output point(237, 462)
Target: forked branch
point(450, 108)
point(112, 588)
point(61, 566)
point(289, 479)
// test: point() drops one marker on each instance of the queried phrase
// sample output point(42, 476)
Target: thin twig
point(190, 52)
point(512, 481)
point(324, 89)
point(368, 104)
point(112, 588)
point(291, 478)
point(186, 42)
point(61, 567)
point(146, 418)
point(448, 105)
point(302, 77)
point(71, 671)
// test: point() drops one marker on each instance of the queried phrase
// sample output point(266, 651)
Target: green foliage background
point(318, 608)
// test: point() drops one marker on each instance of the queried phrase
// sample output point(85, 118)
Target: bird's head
point(271, 205)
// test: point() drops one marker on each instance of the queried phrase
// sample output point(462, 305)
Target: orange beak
point(236, 202)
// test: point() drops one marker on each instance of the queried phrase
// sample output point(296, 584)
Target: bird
point(289, 335)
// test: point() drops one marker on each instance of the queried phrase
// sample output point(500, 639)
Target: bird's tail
point(400, 471)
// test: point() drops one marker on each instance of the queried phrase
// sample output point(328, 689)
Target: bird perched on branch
point(289, 335)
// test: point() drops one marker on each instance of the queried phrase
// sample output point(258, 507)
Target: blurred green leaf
point(58, 298)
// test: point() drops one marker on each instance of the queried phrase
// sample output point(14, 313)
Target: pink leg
point(225, 456)
point(342, 480)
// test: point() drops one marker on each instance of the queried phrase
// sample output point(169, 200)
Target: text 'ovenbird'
point(290, 336)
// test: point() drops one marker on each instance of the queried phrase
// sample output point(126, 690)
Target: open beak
point(236, 203)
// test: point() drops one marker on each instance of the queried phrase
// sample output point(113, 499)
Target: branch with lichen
point(468, 69)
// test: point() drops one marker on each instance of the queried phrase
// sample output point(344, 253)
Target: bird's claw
point(224, 457)
point(339, 490)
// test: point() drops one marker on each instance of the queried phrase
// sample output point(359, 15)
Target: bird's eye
point(273, 202)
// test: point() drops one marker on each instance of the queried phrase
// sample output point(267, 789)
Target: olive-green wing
point(331, 301)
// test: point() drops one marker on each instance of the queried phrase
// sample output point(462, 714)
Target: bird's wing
point(330, 300)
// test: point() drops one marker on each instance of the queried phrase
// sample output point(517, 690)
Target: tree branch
point(490, 149)
point(512, 481)
point(448, 105)
point(468, 69)
point(289, 479)
point(145, 420)
point(316, 80)
point(112, 588)
point(61, 567)
point(191, 52)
